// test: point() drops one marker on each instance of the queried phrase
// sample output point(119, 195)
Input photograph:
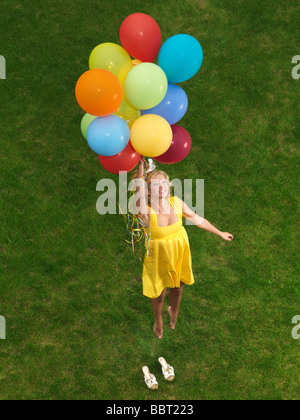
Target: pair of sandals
point(167, 371)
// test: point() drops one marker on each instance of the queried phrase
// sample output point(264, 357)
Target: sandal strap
point(169, 372)
point(151, 382)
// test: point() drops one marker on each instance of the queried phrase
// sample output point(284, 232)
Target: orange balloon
point(99, 92)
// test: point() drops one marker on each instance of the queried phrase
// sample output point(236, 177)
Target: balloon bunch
point(133, 105)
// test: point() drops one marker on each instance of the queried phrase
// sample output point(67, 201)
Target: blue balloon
point(180, 57)
point(173, 107)
point(108, 136)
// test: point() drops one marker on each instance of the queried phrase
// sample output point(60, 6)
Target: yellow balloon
point(127, 112)
point(151, 135)
point(111, 57)
point(123, 73)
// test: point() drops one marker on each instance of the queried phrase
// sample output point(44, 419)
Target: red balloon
point(123, 161)
point(180, 146)
point(140, 36)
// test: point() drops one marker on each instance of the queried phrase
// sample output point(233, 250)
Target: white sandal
point(167, 370)
point(150, 379)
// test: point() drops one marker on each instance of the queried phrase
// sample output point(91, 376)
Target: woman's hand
point(226, 236)
point(142, 162)
point(141, 167)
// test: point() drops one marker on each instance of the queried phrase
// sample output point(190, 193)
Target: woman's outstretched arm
point(202, 223)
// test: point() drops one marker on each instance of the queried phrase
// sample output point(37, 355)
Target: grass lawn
point(78, 326)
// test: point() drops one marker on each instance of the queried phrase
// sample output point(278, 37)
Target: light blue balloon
point(173, 107)
point(180, 57)
point(108, 136)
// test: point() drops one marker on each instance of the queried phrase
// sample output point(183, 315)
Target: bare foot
point(158, 331)
point(173, 319)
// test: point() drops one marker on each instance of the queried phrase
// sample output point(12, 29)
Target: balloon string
point(139, 113)
point(139, 233)
point(123, 115)
point(134, 224)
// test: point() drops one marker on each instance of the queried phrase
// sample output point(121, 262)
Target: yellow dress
point(168, 260)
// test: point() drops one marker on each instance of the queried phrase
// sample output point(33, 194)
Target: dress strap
point(176, 203)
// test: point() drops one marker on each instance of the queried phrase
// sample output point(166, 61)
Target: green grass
point(78, 326)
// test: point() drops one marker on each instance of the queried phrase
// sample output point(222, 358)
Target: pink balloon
point(126, 160)
point(180, 146)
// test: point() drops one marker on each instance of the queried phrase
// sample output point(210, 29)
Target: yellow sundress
point(168, 260)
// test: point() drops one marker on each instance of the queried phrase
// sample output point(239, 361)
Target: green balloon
point(85, 123)
point(146, 86)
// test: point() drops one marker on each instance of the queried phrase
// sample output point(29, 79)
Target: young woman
point(168, 262)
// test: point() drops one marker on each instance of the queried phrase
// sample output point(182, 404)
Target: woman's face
point(159, 187)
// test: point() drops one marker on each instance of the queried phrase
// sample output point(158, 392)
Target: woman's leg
point(157, 305)
point(175, 299)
